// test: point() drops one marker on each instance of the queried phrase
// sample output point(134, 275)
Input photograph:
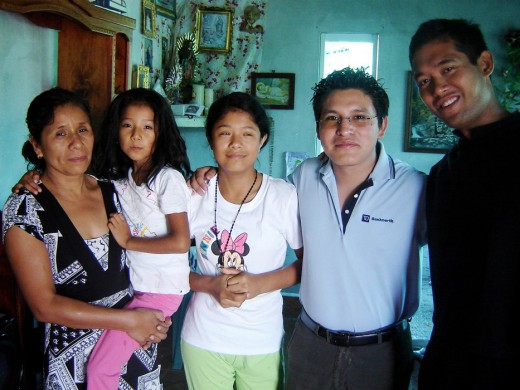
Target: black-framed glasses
point(332, 121)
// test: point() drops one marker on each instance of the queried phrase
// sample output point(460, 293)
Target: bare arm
point(198, 182)
point(255, 284)
point(177, 240)
point(31, 266)
point(217, 287)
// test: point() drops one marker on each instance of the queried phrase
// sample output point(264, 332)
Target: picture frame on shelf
point(424, 132)
point(149, 18)
point(166, 8)
point(141, 77)
point(213, 29)
point(274, 90)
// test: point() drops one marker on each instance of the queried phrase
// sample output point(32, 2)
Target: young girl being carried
point(141, 150)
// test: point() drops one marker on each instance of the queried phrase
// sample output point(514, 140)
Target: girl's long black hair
point(170, 149)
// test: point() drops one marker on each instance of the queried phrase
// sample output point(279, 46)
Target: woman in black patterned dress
point(70, 269)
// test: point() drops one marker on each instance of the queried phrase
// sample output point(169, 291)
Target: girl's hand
point(119, 228)
point(221, 291)
point(30, 181)
point(244, 283)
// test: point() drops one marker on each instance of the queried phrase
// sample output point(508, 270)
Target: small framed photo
point(424, 131)
point(142, 77)
point(148, 53)
point(274, 90)
point(213, 29)
point(166, 8)
point(149, 18)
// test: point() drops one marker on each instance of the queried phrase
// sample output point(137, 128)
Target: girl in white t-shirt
point(233, 329)
point(142, 151)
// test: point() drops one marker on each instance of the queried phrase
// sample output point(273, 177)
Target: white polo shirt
point(367, 277)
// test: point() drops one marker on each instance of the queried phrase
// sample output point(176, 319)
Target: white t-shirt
point(260, 236)
point(145, 210)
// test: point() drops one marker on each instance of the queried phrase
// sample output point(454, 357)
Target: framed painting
point(274, 90)
point(148, 52)
point(166, 8)
point(142, 77)
point(424, 131)
point(213, 29)
point(149, 18)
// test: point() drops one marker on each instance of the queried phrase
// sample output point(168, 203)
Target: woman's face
point(236, 141)
point(66, 144)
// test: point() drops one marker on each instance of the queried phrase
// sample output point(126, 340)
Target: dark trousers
point(312, 363)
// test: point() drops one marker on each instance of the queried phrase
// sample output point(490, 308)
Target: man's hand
point(199, 180)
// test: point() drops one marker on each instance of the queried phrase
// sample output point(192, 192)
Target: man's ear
point(486, 63)
point(382, 128)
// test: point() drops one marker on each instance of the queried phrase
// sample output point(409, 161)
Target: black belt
point(350, 339)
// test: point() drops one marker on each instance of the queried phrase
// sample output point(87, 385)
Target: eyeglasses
point(332, 121)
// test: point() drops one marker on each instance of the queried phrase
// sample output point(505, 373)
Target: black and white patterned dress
point(92, 271)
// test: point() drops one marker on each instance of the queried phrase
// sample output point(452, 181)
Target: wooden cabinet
point(93, 47)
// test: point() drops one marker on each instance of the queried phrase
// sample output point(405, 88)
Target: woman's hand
point(119, 228)
point(147, 326)
point(30, 181)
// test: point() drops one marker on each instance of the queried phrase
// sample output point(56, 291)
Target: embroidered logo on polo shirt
point(367, 218)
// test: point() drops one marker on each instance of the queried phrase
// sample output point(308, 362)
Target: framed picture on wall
point(149, 18)
point(166, 8)
point(424, 131)
point(213, 29)
point(148, 53)
point(141, 77)
point(274, 90)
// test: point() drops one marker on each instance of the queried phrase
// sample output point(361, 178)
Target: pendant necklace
point(215, 229)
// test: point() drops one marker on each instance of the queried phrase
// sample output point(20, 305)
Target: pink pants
point(114, 347)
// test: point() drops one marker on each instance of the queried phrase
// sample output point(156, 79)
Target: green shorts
point(219, 371)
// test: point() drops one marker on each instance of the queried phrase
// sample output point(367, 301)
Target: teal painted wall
point(27, 66)
point(292, 39)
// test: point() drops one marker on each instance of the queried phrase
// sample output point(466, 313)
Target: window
point(355, 50)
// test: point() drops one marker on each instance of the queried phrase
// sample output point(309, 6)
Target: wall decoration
point(251, 15)
point(142, 77)
point(214, 29)
point(149, 18)
point(166, 8)
point(424, 131)
point(148, 53)
point(274, 90)
point(231, 71)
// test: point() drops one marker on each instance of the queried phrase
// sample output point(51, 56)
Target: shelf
point(190, 121)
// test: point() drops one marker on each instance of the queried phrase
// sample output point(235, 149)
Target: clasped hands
point(232, 287)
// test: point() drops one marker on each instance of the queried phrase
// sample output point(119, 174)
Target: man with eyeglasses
point(363, 226)
point(362, 219)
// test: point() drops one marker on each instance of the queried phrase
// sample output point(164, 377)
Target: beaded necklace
point(215, 229)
